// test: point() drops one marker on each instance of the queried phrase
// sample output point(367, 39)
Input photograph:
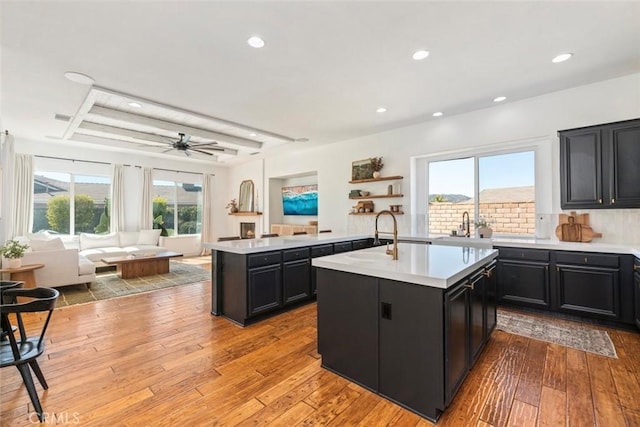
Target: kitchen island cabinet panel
point(352, 314)
point(524, 283)
point(588, 290)
point(408, 343)
point(265, 289)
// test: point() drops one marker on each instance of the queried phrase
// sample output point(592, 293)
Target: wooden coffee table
point(141, 265)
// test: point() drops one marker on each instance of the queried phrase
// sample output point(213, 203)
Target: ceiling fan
point(183, 145)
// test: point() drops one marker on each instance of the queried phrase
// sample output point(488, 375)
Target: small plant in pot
point(232, 206)
point(376, 166)
point(13, 251)
point(483, 227)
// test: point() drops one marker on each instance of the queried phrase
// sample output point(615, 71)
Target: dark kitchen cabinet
point(588, 283)
point(491, 298)
point(456, 338)
point(318, 251)
point(296, 275)
point(636, 288)
point(598, 166)
point(265, 289)
point(410, 343)
point(523, 277)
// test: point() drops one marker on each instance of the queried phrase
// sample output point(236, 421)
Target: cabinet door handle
point(636, 267)
point(613, 201)
point(385, 310)
point(600, 201)
point(546, 268)
point(586, 260)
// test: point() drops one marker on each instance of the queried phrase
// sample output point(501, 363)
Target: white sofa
point(62, 266)
point(97, 246)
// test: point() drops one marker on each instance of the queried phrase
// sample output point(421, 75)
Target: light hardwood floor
point(160, 359)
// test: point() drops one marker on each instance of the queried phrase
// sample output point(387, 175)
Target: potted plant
point(376, 166)
point(13, 251)
point(232, 206)
point(483, 228)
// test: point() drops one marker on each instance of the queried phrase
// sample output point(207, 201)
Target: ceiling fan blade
point(185, 138)
point(200, 151)
point(187, 153)
point(203, 144)
point(206, 148)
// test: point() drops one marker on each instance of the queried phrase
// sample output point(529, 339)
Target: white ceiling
point(325, 69)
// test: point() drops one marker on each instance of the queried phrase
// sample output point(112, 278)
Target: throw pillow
point(128, 238)
point(40, 235)
point(47, 245)
point(90, 241)
point(149, 237)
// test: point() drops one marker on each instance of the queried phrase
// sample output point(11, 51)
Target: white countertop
point(250, 246)
point(431, 265)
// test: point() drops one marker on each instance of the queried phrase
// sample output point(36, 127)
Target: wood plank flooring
point(160, 359)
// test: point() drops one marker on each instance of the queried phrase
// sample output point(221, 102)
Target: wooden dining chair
point(22, 351)
point(226, 239)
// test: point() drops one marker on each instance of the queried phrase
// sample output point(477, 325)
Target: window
point(500, 188)
point(176, 203)
point(57, 194)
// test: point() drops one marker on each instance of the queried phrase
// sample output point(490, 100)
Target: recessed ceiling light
point(381, 110)
point(499, 99)
point(420, 54)
point(79, 78)
point(134, 104)
point(253, 134)
point(562, 57)
point(256, 42)
point(437, 114)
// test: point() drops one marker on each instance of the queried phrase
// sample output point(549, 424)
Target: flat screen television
point(300, 200)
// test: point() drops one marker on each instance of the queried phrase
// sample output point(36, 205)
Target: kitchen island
point(409, 329)
point(255, 278)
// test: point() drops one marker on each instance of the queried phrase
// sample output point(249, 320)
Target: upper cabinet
point(599, 166)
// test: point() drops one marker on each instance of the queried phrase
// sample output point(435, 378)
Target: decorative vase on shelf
point(376, 174)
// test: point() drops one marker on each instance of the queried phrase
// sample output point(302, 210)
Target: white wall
point(529, 122)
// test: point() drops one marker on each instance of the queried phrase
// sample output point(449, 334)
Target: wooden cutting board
point(575, 228)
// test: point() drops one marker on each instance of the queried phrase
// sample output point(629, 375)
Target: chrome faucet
point(376, 241)
point(467, 230)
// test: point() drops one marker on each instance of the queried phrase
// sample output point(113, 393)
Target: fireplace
point(247, 230)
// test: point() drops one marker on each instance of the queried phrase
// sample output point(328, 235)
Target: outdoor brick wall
point(505, 218)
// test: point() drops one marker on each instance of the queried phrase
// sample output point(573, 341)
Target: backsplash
point(618, 226)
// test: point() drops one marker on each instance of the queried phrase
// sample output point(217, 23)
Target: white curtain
point(22, 214)
point(207, 233)
point(117, 199)
point(6, 160)
point(146, 208)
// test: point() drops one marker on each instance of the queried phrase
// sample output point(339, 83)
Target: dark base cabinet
point(595, 286)
point(245, 288)
point(523, 277)
point(636, 286)
point(409, 343)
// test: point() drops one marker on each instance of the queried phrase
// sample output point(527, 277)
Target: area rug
point(574, 335)
point(110, 285)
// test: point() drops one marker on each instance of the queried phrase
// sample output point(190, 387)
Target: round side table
point(24, 274)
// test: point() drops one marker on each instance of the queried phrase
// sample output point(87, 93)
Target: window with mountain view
point(500, 188)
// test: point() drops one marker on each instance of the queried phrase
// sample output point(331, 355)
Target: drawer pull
point(613, 201)
point(586, 260)
point(636, 267)
point(470, 285)
point(600, 201)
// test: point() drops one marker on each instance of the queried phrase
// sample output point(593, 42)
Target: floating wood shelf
point(384, 178)
point(245, 213)
point(379, 196)
point(373, 213)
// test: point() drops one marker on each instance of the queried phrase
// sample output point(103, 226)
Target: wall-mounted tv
point(300, 200)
